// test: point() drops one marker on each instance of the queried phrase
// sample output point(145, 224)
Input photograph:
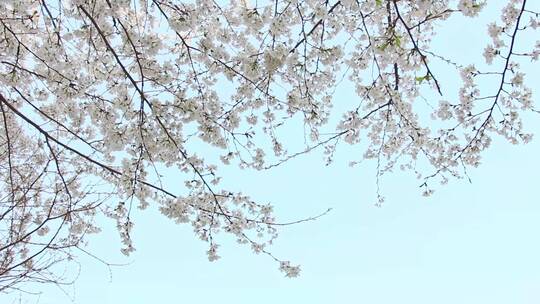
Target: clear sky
point(469, 243)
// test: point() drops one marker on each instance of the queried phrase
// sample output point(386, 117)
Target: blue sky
point(469, 243)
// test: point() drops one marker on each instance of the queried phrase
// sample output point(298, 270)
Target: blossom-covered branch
point(99, 98)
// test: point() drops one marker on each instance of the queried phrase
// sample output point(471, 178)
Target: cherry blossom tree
point(98, 98)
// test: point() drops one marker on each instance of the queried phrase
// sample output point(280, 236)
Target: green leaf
point(397, 40)
point(420, 79)
point(383, 46)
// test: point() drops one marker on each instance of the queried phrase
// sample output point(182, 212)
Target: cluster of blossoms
point(99, 98)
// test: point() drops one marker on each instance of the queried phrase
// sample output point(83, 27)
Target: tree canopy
point(100, 99)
